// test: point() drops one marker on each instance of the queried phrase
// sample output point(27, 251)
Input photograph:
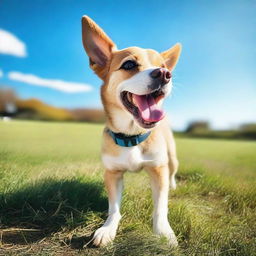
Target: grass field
point(52, 196)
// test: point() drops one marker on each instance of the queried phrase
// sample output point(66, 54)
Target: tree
point(197, 127)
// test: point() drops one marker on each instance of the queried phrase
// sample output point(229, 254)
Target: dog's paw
point(172, 240)
point(104, 235)
point(173, 184)
point(166, 231)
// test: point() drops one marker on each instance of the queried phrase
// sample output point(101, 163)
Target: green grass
point(52, 197)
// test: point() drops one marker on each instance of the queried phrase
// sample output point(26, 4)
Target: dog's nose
point(161, 74)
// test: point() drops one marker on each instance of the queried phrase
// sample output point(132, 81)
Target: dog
point(137, 134)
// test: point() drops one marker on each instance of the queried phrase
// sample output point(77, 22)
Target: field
point(52, 197)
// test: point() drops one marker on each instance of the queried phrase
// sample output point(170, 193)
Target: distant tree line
point(203, 129)
point(33, 109)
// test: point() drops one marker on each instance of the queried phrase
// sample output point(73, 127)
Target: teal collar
point(128, 141)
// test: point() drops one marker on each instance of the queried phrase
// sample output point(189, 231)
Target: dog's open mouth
point(144, 108)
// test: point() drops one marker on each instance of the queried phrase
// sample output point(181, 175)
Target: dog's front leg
point(114, 186)
point(159, 177)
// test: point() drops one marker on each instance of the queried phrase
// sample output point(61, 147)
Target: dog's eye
point(129, 64)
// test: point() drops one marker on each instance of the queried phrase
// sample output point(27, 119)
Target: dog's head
point(136, 80)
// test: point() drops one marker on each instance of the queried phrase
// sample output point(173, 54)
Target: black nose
point(162, 75)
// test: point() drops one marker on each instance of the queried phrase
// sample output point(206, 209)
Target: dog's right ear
point(97, 44)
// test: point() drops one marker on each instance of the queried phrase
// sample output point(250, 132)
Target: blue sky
point(215, 79)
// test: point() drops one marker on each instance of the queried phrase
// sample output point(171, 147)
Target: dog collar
point(128, 141)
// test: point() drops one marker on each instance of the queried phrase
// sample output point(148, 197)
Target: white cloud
point(10, 44)
point(1, 73)
point(69, 87)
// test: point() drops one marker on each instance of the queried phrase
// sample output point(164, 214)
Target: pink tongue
point(149, 111)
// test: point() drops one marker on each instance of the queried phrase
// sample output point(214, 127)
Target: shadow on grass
point(48, 206)
point(131, 243)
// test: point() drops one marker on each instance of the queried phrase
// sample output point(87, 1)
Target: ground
point(52, 196)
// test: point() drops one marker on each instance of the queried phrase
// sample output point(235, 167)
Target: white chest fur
point(132, 159)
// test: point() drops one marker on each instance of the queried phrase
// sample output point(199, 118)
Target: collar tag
point(128, 141)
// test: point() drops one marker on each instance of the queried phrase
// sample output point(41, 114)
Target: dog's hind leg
point(173, 161)
point(171, 150)
point(114, 186)
point(173, 168)
point(159, 177)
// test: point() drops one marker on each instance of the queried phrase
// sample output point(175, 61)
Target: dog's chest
point(133, 159)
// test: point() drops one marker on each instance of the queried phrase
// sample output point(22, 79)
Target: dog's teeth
point(159, 103)
point(129, 97)
point(132, 100)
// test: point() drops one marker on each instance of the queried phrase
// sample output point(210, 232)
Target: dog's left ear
point(171, 56)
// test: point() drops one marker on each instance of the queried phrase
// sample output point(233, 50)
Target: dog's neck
point(120, 121)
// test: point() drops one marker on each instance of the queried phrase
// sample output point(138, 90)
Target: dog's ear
point(171, 56)
point(97, 45)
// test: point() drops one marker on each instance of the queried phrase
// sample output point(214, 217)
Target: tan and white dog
point(137, 135)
